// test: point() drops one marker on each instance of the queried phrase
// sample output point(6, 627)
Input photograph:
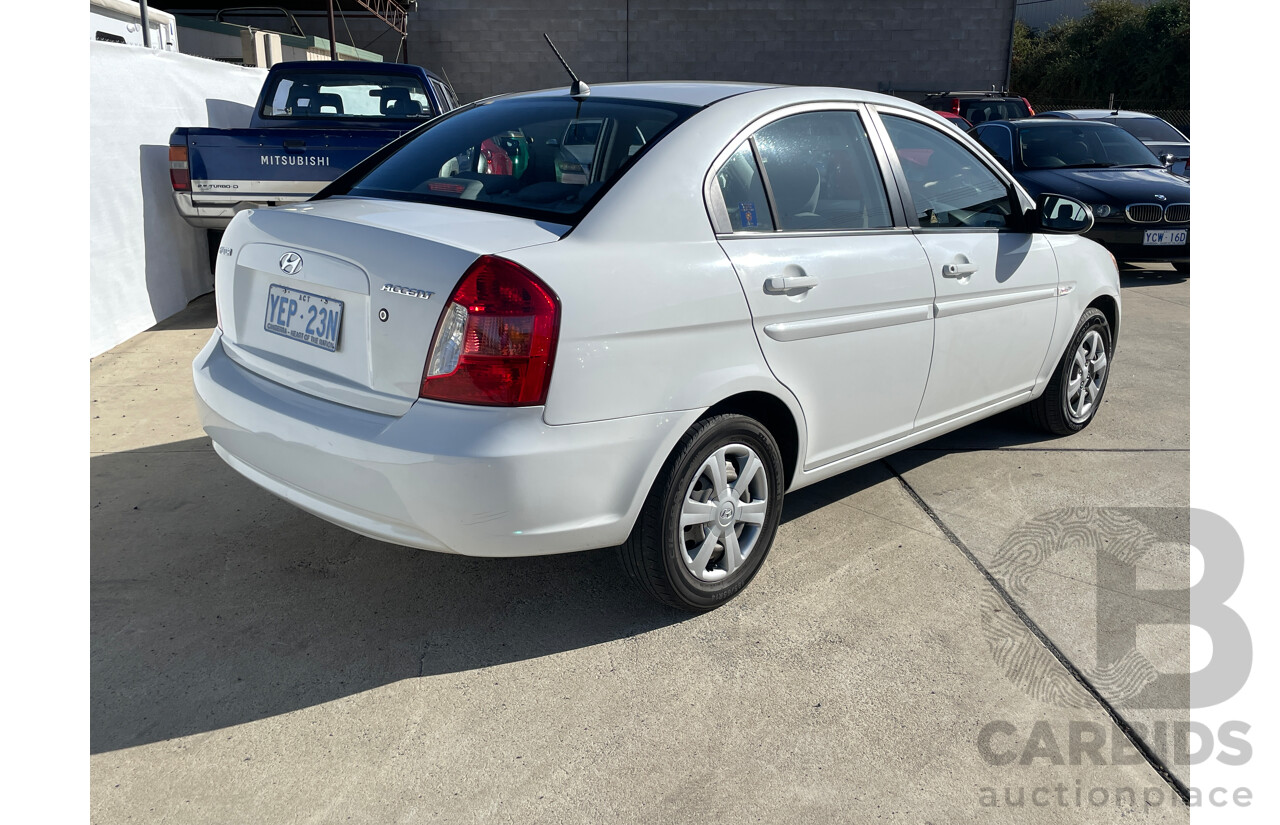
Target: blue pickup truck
point(313, 121)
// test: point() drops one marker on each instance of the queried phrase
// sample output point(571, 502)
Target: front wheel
point(1074, 393)
point(710, 517)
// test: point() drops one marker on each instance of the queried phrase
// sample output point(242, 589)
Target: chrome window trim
point(814, 233)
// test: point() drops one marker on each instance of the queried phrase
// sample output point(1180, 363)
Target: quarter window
point(949, 184)
point(444, 95)
point(743, 191)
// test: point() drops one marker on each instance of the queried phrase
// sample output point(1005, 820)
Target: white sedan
point(541, 324)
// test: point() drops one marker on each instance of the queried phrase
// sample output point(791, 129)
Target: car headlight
point(1102, 210)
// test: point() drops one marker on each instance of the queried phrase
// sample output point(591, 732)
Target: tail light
point(179, 173)
point(955, 105)
point(1030, 111)
point(496, 340)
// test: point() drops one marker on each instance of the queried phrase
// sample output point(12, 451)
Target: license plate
point(302, 316)
point(1164, 237)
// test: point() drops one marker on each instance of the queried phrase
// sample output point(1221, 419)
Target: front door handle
point(789, 282)
point(963, 270)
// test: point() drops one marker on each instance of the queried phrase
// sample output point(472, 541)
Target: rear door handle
point(959, 270)
point(789, 282)
point(295, 144)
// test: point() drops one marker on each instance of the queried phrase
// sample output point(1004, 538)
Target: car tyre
point(1075, 392)
point(703, 532)
point(1182, 267)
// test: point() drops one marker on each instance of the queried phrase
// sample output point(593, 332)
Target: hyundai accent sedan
point(637, 317)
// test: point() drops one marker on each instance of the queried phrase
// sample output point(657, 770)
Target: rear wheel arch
point(775, 416)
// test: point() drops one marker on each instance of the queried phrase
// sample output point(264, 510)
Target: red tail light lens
point(955, 105)
point(179, 173)
point(496, 340)
point(1031, 112)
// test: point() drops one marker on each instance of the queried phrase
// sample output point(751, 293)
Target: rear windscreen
point(1148, 128)
point(539, 157)
point(980, 111)
point(345, 95)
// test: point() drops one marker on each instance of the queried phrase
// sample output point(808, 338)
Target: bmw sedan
point(636, 317)
point(1156, 133)
point(1142, 210)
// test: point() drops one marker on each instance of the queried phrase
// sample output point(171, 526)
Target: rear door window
point(822, 173)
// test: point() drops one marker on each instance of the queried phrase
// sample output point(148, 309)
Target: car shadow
point(214, 604)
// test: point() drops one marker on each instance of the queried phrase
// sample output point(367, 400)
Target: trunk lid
point(377, 273)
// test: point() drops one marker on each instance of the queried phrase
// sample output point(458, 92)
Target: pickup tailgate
point(340, 298)
point(261, 163)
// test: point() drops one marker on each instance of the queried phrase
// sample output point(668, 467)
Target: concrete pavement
point(250, 662)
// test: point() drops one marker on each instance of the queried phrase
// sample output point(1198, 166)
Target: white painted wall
point(145, 262)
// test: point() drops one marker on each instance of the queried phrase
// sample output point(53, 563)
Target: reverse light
point(179, 173)
point(496, 339)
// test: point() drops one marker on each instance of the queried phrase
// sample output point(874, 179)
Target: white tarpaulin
point(145, 262)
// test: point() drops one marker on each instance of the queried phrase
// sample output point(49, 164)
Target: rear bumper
point(479, 481)
point(215, 212)
point(1124, 240)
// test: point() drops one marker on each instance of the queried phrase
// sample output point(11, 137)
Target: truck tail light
point(955, 105)
point(496, 340)
point(179, 173)
point(1030, 111)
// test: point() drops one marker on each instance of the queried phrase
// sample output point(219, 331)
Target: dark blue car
point(1142, 212)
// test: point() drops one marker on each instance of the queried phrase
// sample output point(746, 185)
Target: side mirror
point(1061, 215)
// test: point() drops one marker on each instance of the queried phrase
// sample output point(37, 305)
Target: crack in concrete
point(1153, 759)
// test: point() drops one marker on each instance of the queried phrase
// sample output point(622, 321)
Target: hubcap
point(1087, 377)
point(723, 512)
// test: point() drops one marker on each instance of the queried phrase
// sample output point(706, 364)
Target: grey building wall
point(489, 47)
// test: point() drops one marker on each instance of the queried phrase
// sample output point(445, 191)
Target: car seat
point(796, 186)
point(330, 101)
point(396, 102)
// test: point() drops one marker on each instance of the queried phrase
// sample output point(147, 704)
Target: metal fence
point(1180, 118)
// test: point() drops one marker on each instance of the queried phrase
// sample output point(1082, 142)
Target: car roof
point(697, 93)
point(990, 94)
point(1048, 123)
point(351, 67)
point(1093, 114)
point(689, 93)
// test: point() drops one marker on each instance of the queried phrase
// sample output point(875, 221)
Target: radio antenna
point(579, 90)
